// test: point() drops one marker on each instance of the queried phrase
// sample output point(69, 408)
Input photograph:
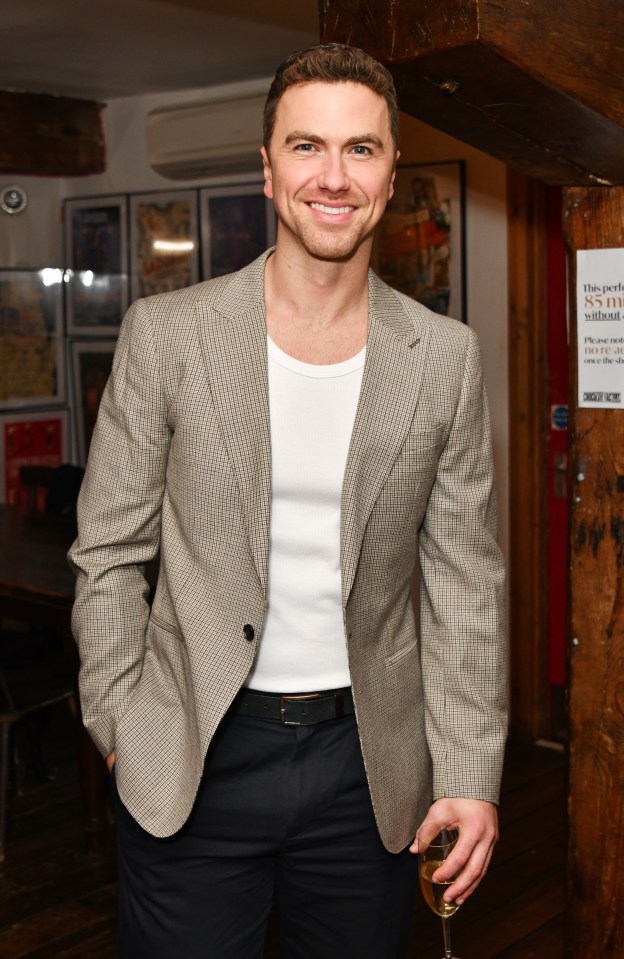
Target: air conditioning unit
point(203, 139)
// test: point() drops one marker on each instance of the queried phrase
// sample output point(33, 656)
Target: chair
point(28, 686)
point(10, 715)
point(35, 478)
point(61, 485)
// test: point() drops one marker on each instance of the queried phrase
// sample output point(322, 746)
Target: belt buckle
point(282, 708)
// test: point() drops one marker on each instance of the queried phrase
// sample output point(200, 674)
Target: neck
point(317, 310)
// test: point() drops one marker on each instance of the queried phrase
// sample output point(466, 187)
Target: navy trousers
point(282, 813)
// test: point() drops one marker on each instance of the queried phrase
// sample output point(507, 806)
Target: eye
point(305, 147)
point(361, 151)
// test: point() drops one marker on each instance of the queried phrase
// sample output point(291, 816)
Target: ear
point(391, 187)
point(268, 178)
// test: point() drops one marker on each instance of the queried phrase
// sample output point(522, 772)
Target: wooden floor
point(58, 900)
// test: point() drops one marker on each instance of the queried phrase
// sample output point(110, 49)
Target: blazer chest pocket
point(423, 442)
point(419, 454)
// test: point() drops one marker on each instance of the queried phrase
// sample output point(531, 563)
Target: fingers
point(478, 833)
point(469, 866)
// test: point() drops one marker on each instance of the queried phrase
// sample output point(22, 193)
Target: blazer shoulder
point(232, 294)
point(419, 317)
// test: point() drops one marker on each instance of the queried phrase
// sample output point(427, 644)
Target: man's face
point(330, 167)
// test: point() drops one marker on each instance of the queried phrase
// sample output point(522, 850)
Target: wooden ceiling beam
point(539, 86)
point(42, 135)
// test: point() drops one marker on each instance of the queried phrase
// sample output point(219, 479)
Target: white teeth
point(333, 210)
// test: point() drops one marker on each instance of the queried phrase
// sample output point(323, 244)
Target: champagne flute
point(435, 844)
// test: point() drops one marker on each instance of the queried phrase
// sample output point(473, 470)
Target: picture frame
point(96, 254)
point(91, 363)
point(30, 439)
point(32, 359)
point(238, 223)
point(419, 246)
point(164, 242)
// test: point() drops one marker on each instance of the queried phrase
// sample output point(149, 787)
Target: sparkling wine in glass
point(435, 844)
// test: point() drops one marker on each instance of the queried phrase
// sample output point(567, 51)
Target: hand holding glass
point(435, 844)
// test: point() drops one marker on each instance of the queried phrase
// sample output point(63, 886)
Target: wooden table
point(37, 587)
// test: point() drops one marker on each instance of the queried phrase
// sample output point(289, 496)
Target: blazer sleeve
point(464, 650)
point(119, 511)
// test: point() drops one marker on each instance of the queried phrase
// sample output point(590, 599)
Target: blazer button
point(249, 632)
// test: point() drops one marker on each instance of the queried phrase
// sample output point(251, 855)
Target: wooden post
point(594, 218)
point(526, 234)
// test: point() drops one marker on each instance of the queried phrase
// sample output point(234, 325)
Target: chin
point(337, 249)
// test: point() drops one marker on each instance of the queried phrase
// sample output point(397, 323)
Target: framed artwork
point(92, 361)
point(164, 252)
point(419, 247)
point(32, 369)
point(96, 253)
point(30, 439)
point(237, 225)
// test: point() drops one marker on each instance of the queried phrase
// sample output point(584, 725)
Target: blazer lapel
point(235, 353)
point(390, 388)
point(233, 341)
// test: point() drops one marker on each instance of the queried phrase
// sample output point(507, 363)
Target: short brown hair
point(331, 63)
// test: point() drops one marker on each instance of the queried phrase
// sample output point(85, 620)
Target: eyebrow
point(352, 141)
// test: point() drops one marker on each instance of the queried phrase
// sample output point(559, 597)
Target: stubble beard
point(325, 245)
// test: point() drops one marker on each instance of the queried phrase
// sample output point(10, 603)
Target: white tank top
point(312, 411)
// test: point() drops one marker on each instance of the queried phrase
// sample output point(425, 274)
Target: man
point(296, 439)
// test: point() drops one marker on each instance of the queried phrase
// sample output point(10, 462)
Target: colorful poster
point(31, 338)
point(30, 439)
point(238, 224)
point(163, 238)
point(97, 258)
point(419, 245)
point(92, 362)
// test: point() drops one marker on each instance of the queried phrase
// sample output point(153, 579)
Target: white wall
point(35, 237)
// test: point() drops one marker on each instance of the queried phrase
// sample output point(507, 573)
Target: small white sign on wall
point(600, 320)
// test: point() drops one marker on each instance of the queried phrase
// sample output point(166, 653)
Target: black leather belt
point(296, 709)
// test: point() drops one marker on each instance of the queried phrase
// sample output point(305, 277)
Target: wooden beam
point(42, 135)
point(526, 233)
point(509, 80)
point(594, 219)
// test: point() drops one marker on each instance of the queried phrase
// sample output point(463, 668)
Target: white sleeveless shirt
point(312, 411)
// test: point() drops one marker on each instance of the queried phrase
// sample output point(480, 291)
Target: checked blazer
point(180, 465)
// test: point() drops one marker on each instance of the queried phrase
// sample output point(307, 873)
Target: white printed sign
point(600, 320)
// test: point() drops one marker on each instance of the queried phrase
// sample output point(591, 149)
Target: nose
point(333, 175)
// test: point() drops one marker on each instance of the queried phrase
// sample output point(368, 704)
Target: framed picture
point(92, 361)
point(30, 439)
point(237, 225)
point(96, 253)
point(32, 371)
point(419, 247)
point(164, 244)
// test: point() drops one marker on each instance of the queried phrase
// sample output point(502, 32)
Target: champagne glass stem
point(446, 927)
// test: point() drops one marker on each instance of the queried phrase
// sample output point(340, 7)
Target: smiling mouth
point(332, 210)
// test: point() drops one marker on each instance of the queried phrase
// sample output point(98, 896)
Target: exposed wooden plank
point(509, 83)
point(595, 923)
point(526, 237)
point(42, 135)
point(545, 943)
point(576, 47)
